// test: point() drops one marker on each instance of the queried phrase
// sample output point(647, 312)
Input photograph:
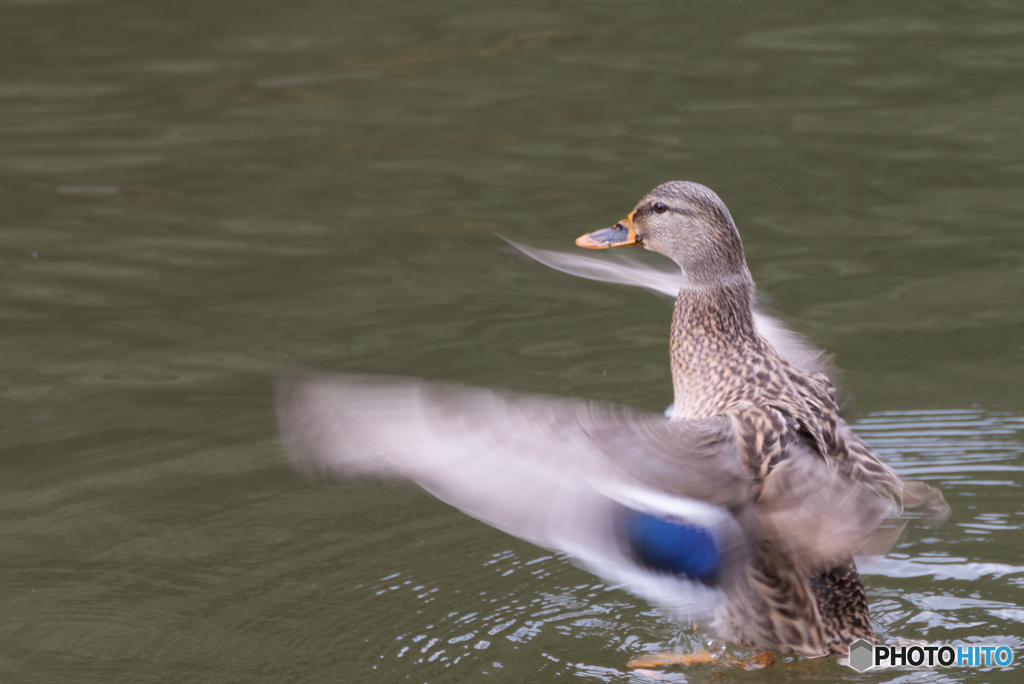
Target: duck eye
point(659, 207)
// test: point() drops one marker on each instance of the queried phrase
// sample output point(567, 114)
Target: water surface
point(195, 195)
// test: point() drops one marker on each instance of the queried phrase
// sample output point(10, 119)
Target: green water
point(194, 195)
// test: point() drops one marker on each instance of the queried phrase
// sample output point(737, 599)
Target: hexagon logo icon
point(861, 655)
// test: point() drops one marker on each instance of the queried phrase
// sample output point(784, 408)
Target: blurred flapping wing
point(663, 508)
point(626, 270)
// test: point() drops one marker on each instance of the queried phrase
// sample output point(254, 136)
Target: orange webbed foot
point(667, 659)
point(652, 660)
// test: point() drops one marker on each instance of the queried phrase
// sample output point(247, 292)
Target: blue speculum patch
point(677, 548)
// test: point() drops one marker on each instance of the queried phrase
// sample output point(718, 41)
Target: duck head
point(686, 222)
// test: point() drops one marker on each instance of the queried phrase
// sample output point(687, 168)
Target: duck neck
point(712, 335)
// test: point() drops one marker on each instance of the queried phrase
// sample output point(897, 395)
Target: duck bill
point(619, 235)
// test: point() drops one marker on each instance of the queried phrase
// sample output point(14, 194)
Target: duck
point(745, 503)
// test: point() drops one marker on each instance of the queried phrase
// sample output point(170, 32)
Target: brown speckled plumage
point(722, 366)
